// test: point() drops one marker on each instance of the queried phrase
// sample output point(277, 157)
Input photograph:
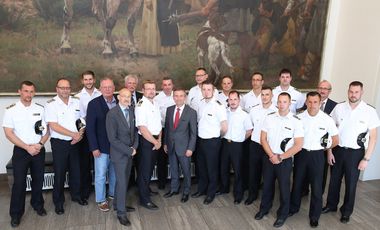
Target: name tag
point(322, 128)
point(209, 114)
point(36, 114)
point(288, 128)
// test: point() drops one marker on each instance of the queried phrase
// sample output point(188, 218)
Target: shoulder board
point(255, 105)
point(295, 116)
point(51, 100)
point(75, 97)
point(140, 102)
point(39, 105)
point(271, 113)
point(217, 101)
point(10, 106)
point(341, 102)
point(371, 106)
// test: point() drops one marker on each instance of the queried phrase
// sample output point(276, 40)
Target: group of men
point(259, 134)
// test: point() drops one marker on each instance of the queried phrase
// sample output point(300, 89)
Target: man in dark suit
point(327, 105)
point(179, 142)
point(130, 82)
point(98, 141)
point(123, 137)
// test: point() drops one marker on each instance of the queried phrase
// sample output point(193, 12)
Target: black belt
point(309, 150)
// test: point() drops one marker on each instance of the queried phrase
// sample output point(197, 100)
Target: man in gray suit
point(179, 142)
point(123, 137)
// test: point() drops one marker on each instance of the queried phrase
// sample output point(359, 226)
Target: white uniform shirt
point(195, 96)
point(315, 127)
point(210, 115)
point(222, 98)
point(238, 124)
point(249, 100)
point(148, 115)
point(163, 102)
point(257, 116)
point(298, 99)
point(85, 98)
point(351, 123)
point(278, 128)
point(65, 115)
point(22, 119)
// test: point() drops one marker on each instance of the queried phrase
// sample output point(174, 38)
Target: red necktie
point(176, 118)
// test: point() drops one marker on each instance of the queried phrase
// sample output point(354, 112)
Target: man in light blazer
point(123, 137)
point(179, 142)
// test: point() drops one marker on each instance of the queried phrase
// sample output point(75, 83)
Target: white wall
point(352, 52)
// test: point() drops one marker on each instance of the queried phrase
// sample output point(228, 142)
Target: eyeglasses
point(321, 88)
point(63, 88)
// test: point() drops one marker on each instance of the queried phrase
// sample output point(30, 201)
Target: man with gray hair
point(131, 81)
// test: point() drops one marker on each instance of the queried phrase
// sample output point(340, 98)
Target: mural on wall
point(42, 40)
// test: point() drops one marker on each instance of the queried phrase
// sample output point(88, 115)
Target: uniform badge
point(38, 127)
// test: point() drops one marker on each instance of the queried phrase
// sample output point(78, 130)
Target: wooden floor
point(221, 214)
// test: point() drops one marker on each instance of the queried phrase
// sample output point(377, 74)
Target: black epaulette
point(371, 106)
point(255, 106)
point(341, 102)
point(75, 97)
point(271, 113)
point(51, 100)
point(139, 103)
point(39, 105)
point(220, 103)
point(10, 106)
point(295, 116)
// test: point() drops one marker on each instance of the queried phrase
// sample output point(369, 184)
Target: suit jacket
point(122, 137)
point(96, 125)
point(185, 135)
point(330, 105)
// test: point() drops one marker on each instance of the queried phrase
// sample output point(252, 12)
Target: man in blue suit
point(179, 142)
point(98, 142)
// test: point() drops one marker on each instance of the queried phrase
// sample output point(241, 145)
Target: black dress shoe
point(313, 223)
point(260, 215)
point(185, 198)
point(208, 200)
point(130, 209)
point(197, 194)
point(218, 193)
point(80, 201)
point(249, 200)
point(15, 221)
point(237, 201)
point(150, 206)
point(41, 212)
point(170, 194)
point(59, 210)
point(345, 219)
point(327, 210)
point(124, 220)
point(278, 223)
